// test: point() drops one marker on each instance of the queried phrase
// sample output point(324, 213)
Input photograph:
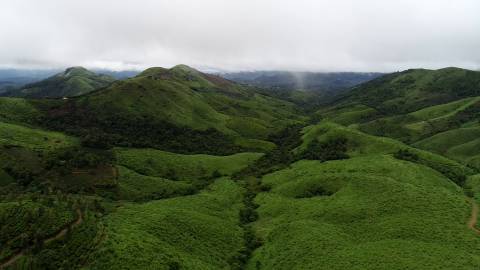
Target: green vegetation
point(34, 139)
point(182, 167)
point(138, 187)
point(192, 232)
point(461, 144)
point(179, 110)
point(176, 169)
point(27, 221)
point(73, 81)
point(17, 110)
point(364, 207)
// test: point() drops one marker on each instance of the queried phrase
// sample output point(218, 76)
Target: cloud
point(342, 35)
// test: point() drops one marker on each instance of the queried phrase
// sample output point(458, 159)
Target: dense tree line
point(328, 150)
point(130, 131)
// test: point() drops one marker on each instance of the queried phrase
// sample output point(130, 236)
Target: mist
point(301, 35)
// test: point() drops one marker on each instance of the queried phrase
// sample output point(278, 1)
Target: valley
point(180, 169)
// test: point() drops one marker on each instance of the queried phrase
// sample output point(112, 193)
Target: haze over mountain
point(365, 155)
point(73, 81)
point(305, 35)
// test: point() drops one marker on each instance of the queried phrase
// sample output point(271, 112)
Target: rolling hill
point(73, 81)
point(178, 169)
point(420, 107)
point(180, 103)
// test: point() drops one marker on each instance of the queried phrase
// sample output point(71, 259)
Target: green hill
point(191, 232)
point(178, 104)
point(414, 89)
point(177, 169)
point(435, 110)
point(371, 212)
point(73, 81)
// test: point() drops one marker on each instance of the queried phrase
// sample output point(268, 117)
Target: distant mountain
point(119, 75)
point(307, 89)
point(11, 79)
point(315, 81)
point(73, 81)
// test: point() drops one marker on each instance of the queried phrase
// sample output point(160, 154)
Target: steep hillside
point(414, 89)
point(73, 81)
point(174, 104)
point(420, 107)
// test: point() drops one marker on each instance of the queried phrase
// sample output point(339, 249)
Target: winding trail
point(12, 259)
point(472, 222)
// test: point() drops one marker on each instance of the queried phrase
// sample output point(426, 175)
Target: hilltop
point(74, 81)
point(175, 104)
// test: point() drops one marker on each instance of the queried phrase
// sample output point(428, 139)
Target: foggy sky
point(340, 35)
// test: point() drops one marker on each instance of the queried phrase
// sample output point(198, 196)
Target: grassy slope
point(134, 186)
point(377, 218)
point(414, 89)
point(428, 107)
point(194, 232)
point(185, 97)
point(161, 164)
point(460, 144)
point(360, 143)
point(33, 139)
point(72, 82)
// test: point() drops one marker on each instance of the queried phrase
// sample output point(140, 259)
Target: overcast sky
point(316, 35)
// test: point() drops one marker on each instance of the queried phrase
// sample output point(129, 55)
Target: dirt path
point(63, 232)
point(58, 235)
point(472, 222)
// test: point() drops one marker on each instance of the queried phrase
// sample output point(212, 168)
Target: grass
point(72, 82)
point(384, 214)
point(360, 144)
point(134, 186)
point(158, 163)
point(461, 144)
point(444, 110)
point(33, 139)
point(192, 232)
point(187, 98)
point(350, 115)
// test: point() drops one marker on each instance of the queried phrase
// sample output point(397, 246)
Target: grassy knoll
point(371, 212)
point(191, 232)
point(359, 144)
point(158, 163)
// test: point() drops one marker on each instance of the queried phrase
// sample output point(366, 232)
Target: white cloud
point(336, 35)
